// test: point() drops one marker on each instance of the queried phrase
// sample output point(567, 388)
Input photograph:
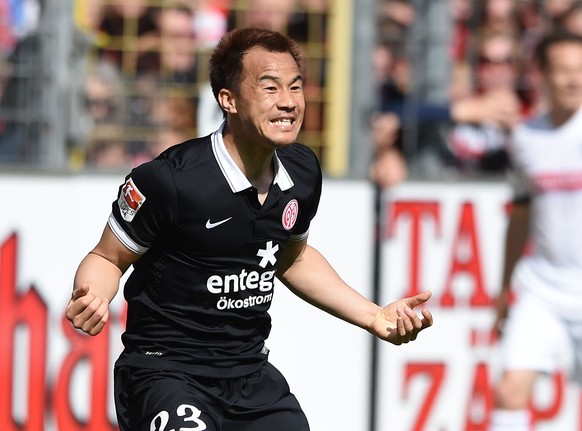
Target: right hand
point(501, 107)
point(86, 311)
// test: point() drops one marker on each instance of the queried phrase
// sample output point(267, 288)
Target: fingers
point(408, 325)
point(426, 318)
point(96, 329)
point(94, 316)
point(418, 299)
point(80, 292)
point(80, 299)
point(410, 319)
point(86, 311)
point(412, 323)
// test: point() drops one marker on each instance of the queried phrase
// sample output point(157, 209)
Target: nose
point(287, 101)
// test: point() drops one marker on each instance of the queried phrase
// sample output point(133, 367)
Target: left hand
point(398, 323)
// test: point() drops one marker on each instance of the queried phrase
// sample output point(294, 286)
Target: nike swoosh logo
point(210, 225)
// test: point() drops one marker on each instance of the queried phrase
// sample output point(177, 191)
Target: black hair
point(226, 61)
point(551, 39)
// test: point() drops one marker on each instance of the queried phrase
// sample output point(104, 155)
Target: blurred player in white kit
point(546, 318)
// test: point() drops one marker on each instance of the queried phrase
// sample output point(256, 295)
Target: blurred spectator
point(388, 166)
point(554, 9)
point(104, 99)
point(461, 12)
point(106, 116)
point(168, 43)
point(267, 14)
point(171, 120)
point(20, 48)
point(482, 146)
point(165, 138)
point(171, 51)
point(7, 34)
point(394, 17)
point(18, 19)
point(105, 95)
point(167, 72)
point(480, 120)
point(533, 25)
point(309, 21)
point(498, 63)
point(290, 17)
point(499, 16)
point(391, 74)
point(161, 49)
point(210, 22)
point(121, 30)
point(173, 109)
point(106, 149)
point(20, 116)
point(571, 19)
point(159, 98)
point(314, 6)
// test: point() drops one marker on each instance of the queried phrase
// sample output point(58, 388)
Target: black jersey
point(199, 295)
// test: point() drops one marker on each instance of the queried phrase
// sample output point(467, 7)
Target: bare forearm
point(97, 282)
point(312, 278)
point(99, 274)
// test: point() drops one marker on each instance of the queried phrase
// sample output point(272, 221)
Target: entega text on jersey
point(201, 290)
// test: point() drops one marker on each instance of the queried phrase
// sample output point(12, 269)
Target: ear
point(227, 101)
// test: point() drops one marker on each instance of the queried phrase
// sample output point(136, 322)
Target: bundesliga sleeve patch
point(130, 200)
point(290, 214)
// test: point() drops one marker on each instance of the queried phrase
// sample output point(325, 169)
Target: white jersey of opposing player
point(548, 167)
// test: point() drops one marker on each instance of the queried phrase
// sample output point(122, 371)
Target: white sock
point(510, 420)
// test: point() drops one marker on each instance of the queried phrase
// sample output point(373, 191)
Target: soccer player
point(208, 226)
point(546, 154)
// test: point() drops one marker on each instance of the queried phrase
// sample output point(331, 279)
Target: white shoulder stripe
point(124, 237)
point(299, 236)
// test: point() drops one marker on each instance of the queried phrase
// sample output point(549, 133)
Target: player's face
point(563, 76)
point(270, 101)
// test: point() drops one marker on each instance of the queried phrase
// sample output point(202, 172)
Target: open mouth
point(283, 122)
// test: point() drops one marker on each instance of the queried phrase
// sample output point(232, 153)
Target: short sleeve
point(310, 204)
point(145, 206)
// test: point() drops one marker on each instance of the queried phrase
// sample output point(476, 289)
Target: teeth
point(285, 122)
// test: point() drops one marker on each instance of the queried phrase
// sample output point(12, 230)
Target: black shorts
point(169, 400)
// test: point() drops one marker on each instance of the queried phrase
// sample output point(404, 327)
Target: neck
point(255, 162)
point(560, 116)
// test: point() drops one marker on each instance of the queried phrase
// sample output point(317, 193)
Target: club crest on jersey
point(290, 214)
point(130, 200)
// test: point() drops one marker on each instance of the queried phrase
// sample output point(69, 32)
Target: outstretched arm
point(310, 276)
point(97, 282)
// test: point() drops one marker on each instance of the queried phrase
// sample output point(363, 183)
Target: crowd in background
point(138, 73)
point(147, 87)
point(144, 83)
point(491, 87)
point(19, 20)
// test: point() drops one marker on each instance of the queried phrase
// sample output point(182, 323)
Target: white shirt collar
point(234, 176)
